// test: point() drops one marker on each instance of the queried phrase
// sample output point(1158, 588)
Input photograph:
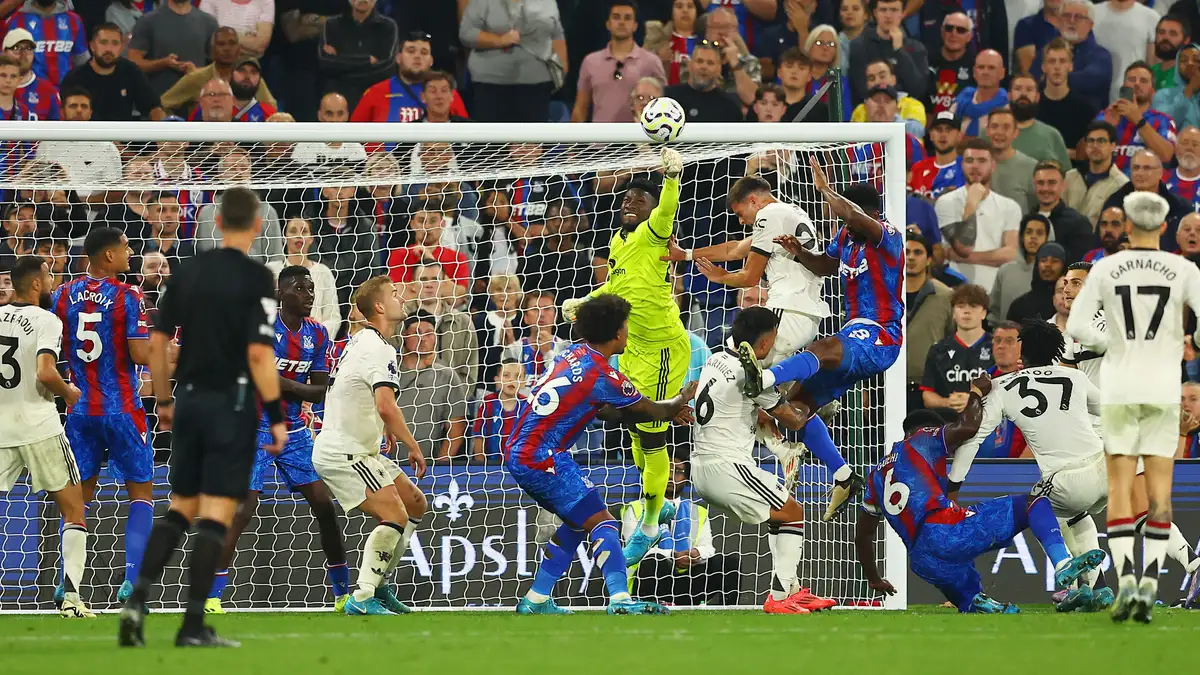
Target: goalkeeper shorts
point(657, 370)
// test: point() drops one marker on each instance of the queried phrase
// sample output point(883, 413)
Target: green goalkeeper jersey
point(636, 273)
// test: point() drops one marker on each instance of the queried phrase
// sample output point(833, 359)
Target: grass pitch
point(923, 640)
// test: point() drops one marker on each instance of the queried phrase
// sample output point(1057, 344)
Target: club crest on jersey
point(853, 272)
point(62, 23)
point(985, 353)
point(307, 342)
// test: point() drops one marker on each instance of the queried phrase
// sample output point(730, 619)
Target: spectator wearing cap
point(1087, 190)
point(1033, 33)
point(1146, 175)
point(607, 76)
point(11, 108)
point(935, 175)
point(252, 20)
point(400, 98)
point(357, 49)
point(701, 96)
point(950, 67)
point(517, 58)
point(887, 41)
point(974, 104)
point(183, 97)
point(347, 242)
point(431, 396)
point(247, 79)
point(910, 110)
point(57, 33)
point(1092, 71)
point(86, 162)
point(1013, 177)
point(927, 316)
point(1137, 125)
point(457, 345)
point(333, 109)
point(741, 71)
point(120, 91)
point(172, 41)
point(1034, 137)
point(1180, 100)
point(1062, 107)
point(1048, 267)
point(1014, 277)
point(1184, 179)
point(38, 94)
point(795, 77)
point(882, 105)
point(1069, 227)
point(674, 40)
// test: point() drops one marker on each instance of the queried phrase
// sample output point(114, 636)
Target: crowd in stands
point(1027, 125)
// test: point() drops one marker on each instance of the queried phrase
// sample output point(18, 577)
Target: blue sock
point(820, 444)
point(219, 582)
point(607, 553)
point(796, 368)
point(559, 553)
point(1045, 528)
point(339, 579)
point(137, 531)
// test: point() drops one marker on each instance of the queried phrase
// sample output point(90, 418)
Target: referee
point(223, 304)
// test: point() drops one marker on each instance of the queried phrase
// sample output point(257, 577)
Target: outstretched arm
point(662, 218)
point(750, 274)
point(730, 250)
point(992, 413)
point(646, 410)
point(864, 548)
point(859, 222)
point(818, 263)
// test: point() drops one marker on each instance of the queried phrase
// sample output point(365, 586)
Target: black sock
point(206, 552)
point(164, 538)
point(331, 535)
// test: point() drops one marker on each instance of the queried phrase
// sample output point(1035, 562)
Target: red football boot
point(806, 599)
point(784, 606)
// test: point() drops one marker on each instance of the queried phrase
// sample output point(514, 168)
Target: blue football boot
point(666, 514)
point(1070, 570)
point(1077, 599)
point(982, 604)
point(636, 607)
point(525, 606)
point(60, 592)
point(1102, 599)
point(639, 545)
point(386, 594)
point(369, 607)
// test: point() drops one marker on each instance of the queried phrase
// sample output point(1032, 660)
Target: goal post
point(518, 218)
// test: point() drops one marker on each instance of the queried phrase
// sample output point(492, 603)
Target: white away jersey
point(791, 285)
point(1142, 293)
point(351, 425)
point(1053, 408)
point(1086, 359)
point(725, 418)
point(29, 412)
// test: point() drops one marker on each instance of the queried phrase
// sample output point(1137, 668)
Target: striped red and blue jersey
point(866, 160)
point(872, 277)
point(60, 38)
point(1192, 448)
point(930, 179)
point(908, 488)
point(190, 201)
point(1183, 188)
point(533, 361)
point(1129, 139)
point(100, 317)
point(1094, 254)
point(41, 99)
point(563, 403)
point(254, 111)
point(681, 51)
point(298, 354)
point(493, 423)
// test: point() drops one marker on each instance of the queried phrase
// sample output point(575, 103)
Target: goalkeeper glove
point(570, 307)
point(672, 163)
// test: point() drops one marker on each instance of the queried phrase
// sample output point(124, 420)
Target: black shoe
point(205, 637)
point(132, 617)
point(843, 492)
point(752, 385)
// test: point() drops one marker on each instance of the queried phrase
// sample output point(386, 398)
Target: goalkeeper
point(659, 351)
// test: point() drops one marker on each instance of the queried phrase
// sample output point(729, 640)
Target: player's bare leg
point(379, 551)
point(1121, 471)
point(1159, 476)
point(654, 462)
point(785, 537)
point(320, 503)
point(74, 550)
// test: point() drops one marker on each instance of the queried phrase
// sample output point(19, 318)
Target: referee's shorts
point(213, 441)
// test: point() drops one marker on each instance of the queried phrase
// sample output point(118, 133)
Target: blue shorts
point(565, 493)
point(944, 553)
point(867, 350)
point(294, 463)
point(122, 438)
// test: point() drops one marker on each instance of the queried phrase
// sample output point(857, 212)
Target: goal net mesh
point(515, 229)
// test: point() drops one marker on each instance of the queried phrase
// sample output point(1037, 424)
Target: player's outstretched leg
point(656, 470)
point(785, 537)
point(606, 552)
point(558, 554)
point(1081, 536)
point(1040, 518)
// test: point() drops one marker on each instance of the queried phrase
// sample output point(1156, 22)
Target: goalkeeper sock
point(639, 456)
point(137, 531)
point(1154, 549)
point(164, 538)
point(402, 547)
point(786, 541)
point(1085, 538)
point(74, 555)
point(1045, 528)
point(607, 554)
point(654, 487)
point(559, 553)
point(1120, 544)
point(202, 568)
point(219, 581)
point(377, 556)
point(795, 368)
point(820, 444)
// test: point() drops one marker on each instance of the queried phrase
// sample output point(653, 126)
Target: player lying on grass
point(578, 387)
point(360, 407)
point(301, 350)
point(1053, 406)
point(908, 489)
point(724, 472)
point(868, 256)
point(659, 349)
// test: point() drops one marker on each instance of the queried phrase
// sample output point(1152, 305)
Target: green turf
point(924, 640)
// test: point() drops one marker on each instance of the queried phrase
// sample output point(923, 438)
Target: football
point(663, 119)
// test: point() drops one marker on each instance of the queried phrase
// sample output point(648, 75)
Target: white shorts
point(50, 462)
point(1076, 489)
point(1138, 430)
point(742, 490)
point(796, 331)
point(349, 476)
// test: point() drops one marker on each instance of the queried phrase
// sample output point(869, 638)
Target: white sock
point(768, 379)
point(1120, 544)
point(1178, 548)
point(1083, 538)
point(786, 541)
point(405, 538)
point(74, 554)
point(1154, 549)
point(377, 557)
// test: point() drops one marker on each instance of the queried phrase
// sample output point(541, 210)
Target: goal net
point(487, 229)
